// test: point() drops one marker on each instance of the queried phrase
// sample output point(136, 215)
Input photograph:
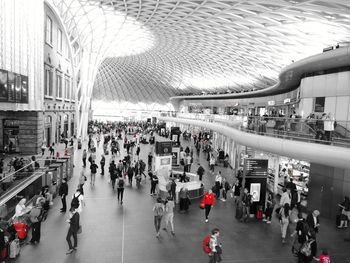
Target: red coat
point(209, 199)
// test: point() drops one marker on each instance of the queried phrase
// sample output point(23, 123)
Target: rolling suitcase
point(259, 214)
point(14, 248)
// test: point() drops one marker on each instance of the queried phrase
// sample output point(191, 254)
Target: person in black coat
point(311, 239)
point(313, 220)
point(63, 192)
point(200, 172)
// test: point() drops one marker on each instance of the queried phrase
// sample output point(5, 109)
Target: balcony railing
point(325, 131)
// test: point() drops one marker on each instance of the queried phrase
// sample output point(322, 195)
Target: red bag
point(205, 244)
point(4, 252)
point(259, 214)
point(22, 230)
point(202, 205)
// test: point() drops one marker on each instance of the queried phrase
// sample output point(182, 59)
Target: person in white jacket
point(285, 197)
point(328, 126)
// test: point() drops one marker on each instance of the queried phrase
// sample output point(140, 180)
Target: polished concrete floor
point(125, 234)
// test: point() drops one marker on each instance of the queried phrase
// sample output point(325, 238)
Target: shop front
point(11, 136)
point(281, 170)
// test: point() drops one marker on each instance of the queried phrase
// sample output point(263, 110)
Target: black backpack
point(75, 201)
point(121, 183)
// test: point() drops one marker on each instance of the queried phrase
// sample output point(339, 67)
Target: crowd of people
point(126, 166)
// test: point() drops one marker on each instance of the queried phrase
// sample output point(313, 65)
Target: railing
point(310, 129)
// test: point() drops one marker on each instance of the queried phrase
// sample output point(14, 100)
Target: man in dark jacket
point(102, 163)
point(313, 220)
point(63, 192)
point(74, 223)
point(200, 172)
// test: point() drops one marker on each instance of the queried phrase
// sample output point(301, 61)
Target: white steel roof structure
point(149, 50)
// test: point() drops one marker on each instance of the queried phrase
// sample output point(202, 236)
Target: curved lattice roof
point(178, 47)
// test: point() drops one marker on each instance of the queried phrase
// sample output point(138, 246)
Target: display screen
point(13, 87)
point(165, 161)
point(255, 191)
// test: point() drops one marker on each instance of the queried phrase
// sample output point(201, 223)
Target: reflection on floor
point(115, 233)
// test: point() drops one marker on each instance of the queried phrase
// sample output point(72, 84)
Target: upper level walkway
point(236, 128)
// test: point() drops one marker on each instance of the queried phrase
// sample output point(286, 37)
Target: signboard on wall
point(13, 87)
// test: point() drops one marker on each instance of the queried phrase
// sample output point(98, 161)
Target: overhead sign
point(271, 103)
point(256, 167)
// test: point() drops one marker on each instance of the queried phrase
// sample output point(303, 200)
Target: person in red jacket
point(208, 200)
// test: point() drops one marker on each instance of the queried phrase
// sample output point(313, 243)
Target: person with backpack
point(308, 250)
point(74, 225)
point(93, 169)
point(120, 189)
point(63, 192)
point(35, 218)
point(77, 201)
point(169, 215)
point(158, 210)
point(212, 247)
point(208, 200)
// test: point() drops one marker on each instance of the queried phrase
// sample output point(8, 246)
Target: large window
point(59, 40)
point(48, 30)
point(59, 90)
point(319, 104)
point(48, 81)
point(67, 88)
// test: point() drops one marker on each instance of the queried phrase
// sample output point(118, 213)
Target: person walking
point(35, 218)
point(212, 163)
point(184, 200)
point(225, 188)
point(113, 173)
point(218, 185)
point(158, 210)
point(120, 189)
point(169, 215)
point(284, 215)
point(313, 220)
point(93, 169)
point(63, 192)
point(309, 249)
point(74, 224)
point(102, 163)
point(200, 172)
point(52, 150)
point(270, 204)
point(246, 203)
point(84, 157)
point(78, 201)
point(138, 151)
point(82, 180)
point(130, 174)
point(215, 246)
point(236, 189)
point(208, 200)
point(154, 182)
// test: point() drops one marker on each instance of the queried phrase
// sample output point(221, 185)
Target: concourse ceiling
point(163, 48)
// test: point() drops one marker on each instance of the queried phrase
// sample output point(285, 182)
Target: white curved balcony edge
point(318, 153)
point(290, 76)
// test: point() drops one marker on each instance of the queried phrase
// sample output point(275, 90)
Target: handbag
point(201, 205)
point(80, 230)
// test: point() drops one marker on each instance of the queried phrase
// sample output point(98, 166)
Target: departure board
point(256, 167)
point(13, 87)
